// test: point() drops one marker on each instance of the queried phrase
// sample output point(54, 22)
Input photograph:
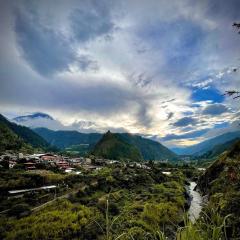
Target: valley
point(122, 187)
point(119, 120)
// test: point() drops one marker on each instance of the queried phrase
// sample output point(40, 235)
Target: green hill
point(66, 139)
point(9, 140)
point(220, 183)
point(13, 136)
point(113, 146)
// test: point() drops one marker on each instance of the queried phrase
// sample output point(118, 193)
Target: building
point(44, 158)
point(76, 161)
point(62, 164)
point(30, 166)
point(49, 158)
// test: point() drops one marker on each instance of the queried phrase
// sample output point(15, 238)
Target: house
point(75, 161)
point(44, 158)
point(49, 158)
point(30, 166)
point(62, 164)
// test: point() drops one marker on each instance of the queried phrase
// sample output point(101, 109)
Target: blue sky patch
point(211, 94)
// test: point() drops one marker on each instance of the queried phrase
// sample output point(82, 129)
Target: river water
point(196, 203)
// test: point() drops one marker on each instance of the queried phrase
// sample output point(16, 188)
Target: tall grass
point(107, 230)
point(210, 226)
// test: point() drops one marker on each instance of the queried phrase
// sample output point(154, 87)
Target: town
point(64, 164)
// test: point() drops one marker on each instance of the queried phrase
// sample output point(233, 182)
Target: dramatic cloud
point(91, 19)
point(150, 67)
point(46, 50)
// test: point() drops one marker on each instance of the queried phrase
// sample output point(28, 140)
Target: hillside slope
point(113, 146)
point(25, 134)
point(8, 139)
point(221, 183)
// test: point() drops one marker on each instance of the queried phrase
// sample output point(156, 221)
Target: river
point(196, 203)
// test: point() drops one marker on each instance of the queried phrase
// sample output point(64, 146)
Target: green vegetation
point(10, 141)
point(132, 147)
point(15, 137)
point(68, 221)
point(112, 202)
point(112, 146)
point(123, 201)
point(77, 150)
point(20, 179)
point(66, 139)
point(221, 183)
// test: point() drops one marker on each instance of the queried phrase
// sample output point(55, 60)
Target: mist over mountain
point(15, 136)
point(32, 116)
point(39, 119)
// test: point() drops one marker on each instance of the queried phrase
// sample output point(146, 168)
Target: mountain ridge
point(150, 150)
point(205, 146)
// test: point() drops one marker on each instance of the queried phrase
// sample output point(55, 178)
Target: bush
point(19, 210)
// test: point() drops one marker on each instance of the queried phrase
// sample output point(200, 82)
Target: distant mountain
point(149, 149)
point(219, 149)
point(65, 139)
point(205, 146)
point(39, 119)
point(15, 135)
point(114, 146)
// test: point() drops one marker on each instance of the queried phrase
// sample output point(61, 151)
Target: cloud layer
point(154, 68)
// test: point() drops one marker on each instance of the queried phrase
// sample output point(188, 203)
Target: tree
point(233, 93)
point(237, 26)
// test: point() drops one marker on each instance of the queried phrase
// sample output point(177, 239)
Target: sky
point(150, 67)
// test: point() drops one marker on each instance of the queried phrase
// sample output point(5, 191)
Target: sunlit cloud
point(154, 68)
